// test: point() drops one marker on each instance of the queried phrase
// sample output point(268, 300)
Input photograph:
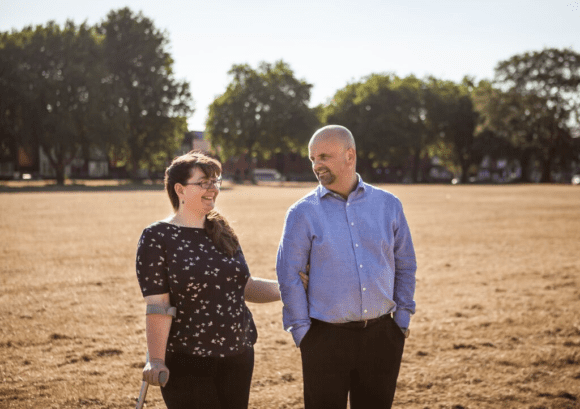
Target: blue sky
point(329, 43)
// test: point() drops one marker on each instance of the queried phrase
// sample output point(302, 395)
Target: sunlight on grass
point(498, 296)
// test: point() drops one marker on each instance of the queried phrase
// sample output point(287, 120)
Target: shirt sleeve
point(293, 256)
point(405, 269)
point(151, 264)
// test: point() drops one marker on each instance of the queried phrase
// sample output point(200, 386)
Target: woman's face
point(198, 199)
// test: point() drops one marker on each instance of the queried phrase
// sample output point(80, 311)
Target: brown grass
point(497, 325)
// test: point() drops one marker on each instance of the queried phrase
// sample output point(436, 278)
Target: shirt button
point(348, 204)
point(360, 266)
point(365, 311)
point(364, 289)
point(356, 244)
point(352, 224)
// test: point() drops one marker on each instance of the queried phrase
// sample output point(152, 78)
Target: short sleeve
point(151, 264)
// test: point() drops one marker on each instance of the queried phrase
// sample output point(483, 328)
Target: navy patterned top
point(204, 284)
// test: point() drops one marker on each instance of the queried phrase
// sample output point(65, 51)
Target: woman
point(195, 281)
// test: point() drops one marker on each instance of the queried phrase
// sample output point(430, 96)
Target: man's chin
point(326, 181)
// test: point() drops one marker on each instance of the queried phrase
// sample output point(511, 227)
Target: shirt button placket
point(360, 265)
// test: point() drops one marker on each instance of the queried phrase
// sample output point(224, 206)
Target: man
point(352, 321)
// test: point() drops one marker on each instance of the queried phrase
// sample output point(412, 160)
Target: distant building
point(200, 143)
point(23, 160)
point(290, 165)
point(94, 166)
point(194, 140)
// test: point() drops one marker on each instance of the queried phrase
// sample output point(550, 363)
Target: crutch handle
point(145, 385)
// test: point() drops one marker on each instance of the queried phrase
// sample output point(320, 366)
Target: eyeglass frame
point(215, 182)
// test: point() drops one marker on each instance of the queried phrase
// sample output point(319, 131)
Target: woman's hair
point(216, 226)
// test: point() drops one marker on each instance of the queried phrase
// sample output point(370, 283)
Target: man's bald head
point(336, 133)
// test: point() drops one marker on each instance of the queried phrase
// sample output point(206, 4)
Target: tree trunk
point(251, 166)
point(59, 170)
point(416, 163)
point(464, 164)
point(525, 164)
point(135, 170)
point(364, 168)
point(57, 159)
point(547, 167)
point(136, 153)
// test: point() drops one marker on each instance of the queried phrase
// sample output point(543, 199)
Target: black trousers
point(207, 382)
point(363, 361)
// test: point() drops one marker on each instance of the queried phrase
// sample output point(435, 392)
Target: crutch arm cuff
point(161, 310)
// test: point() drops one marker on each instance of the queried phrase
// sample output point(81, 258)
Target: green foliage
point(386, 114)
point(68, 90)
point(262, 112)
point(150, 98)
point(453, 118)
point(55, 98)
point(395, 119)
point(533, 104)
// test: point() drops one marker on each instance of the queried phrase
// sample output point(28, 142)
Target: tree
point(55, 89)
point(452, 117)
point(12, 95)
point(142, 73)
point(262, 112)
point(542, 90)
point(387, 115)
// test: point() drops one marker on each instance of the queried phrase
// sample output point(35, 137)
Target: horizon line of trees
point(68, 90)
point(529, 114)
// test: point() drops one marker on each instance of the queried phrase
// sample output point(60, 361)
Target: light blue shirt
point(362, 260)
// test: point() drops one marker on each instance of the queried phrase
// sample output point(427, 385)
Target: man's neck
point(347, 190)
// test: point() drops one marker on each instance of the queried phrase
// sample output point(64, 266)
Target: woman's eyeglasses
point(206, 184)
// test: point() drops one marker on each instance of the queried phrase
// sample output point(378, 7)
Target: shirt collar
point(360, 188)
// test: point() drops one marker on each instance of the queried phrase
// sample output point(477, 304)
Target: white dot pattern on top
point(204, 284)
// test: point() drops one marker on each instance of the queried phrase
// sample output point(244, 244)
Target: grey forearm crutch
point(162, 310)
point(145, 386)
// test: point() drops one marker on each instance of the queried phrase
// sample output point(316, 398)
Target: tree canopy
point(152, 100)
point(68, 89)
point(536, 105)
point(263, 111)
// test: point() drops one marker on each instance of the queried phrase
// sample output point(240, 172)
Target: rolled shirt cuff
point(402, 318)
point(299, 333)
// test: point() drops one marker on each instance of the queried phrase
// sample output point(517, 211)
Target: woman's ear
point(179, 188)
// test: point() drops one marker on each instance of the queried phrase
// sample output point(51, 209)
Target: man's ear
point(351, 156)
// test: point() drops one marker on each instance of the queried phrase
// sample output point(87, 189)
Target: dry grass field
point(498, 296)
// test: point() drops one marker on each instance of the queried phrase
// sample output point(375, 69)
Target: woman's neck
point(187, 219)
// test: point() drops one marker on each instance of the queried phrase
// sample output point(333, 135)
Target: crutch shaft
point(142, 395)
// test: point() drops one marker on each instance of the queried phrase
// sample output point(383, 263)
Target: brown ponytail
point(221, 233)
point(216, 226)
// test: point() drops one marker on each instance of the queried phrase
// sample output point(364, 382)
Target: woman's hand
point(155, 372)
point(304, 277)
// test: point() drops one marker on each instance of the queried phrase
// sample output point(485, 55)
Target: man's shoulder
point(376, 192)
point(310, 200)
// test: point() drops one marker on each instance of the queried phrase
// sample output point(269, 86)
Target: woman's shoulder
point(160, 227)
point(168, 231)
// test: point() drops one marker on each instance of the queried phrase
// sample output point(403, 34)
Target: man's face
point(329, 161)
